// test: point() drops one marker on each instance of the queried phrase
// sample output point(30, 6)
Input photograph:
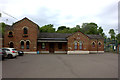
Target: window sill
point(10, 35)
point(25, 35)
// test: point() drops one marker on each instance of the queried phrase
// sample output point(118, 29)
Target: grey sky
point(63, 12)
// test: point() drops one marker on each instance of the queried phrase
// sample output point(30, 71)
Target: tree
point(47, 28)
point(64, 29)
point(89, 28)
point(118, 38)
point(61, 28)
point(103, 35)
point(2, 28)
point(75, 29)
point(100, 30)
point(78, 26)
point(112, 33)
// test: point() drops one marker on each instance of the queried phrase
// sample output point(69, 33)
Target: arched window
point(22, 44)
point(27, 45)
point(75, 45)
point(80, 45)
point(10, 33)
point(25, 31)
point(93, 44)
point(11, 45)
point(99, 44)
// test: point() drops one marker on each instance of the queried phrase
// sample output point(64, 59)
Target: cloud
point(63, 12)
point(108, 18)
point(45, 16)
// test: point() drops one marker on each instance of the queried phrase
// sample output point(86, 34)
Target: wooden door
point(51, 47)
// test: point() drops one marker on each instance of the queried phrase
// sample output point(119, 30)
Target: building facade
point(24, 35)
point(118, 48)
point(1, 40)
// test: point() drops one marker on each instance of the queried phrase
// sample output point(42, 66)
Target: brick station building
point(118, 48)
point(24, 35)
point(1, 40)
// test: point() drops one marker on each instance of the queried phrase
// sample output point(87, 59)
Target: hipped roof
point(63, 35)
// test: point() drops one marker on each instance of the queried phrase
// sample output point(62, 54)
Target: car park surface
point(62, 66)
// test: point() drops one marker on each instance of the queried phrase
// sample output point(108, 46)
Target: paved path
point(62, 66)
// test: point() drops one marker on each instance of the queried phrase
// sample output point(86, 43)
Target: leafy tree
point(100, 30)
point(75, 29)
point(118, 38)
point(103, 35)
point(78, 26)
point(47, 28)
point(2, 27)
point(112, 33)
point(62, 28)
point(64, 31)
point(89, 28)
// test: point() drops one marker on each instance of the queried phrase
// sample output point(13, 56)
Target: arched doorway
point(22, 44)
point(11, 45)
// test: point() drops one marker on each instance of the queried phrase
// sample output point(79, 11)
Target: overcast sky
point(63, 12)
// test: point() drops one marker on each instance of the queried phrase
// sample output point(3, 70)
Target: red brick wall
point(64, 46)
point(18, 35)
point(101, 48)
point(7, 39)
point(87, 43)
point(118, 48)
point(91, 48)
point(97, 47)
point(46, 47)
point(1, 42)
point(78, 36)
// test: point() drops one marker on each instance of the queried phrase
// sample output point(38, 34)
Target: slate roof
point(62, 36)
point(95, 36)
point(53, 35)
point(53, 39)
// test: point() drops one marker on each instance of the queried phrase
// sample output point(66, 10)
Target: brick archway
point(11, 45)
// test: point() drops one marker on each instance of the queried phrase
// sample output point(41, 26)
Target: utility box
point(38, 52)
